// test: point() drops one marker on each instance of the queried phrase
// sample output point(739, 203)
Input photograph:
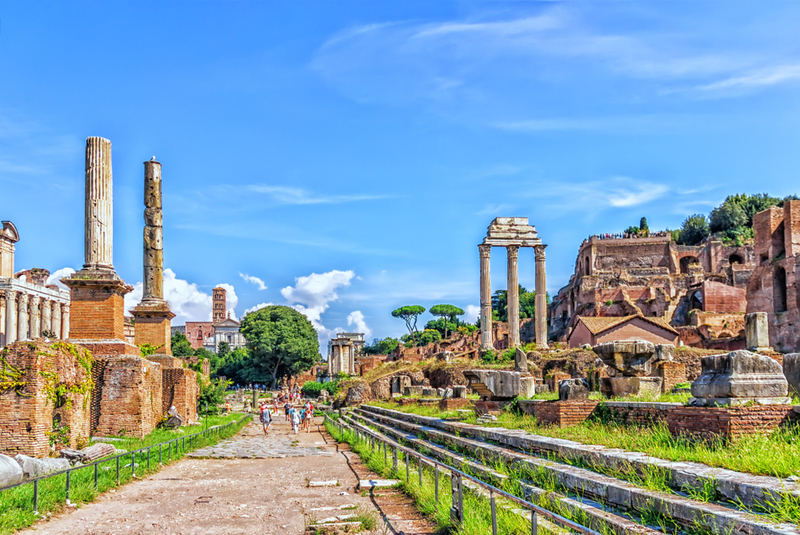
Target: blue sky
point(346, 157)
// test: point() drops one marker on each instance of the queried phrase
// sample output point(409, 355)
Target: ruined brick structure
point(774, 287)
point(595, 330)
point(30, 407)
point(653, 277)
point(198, 331)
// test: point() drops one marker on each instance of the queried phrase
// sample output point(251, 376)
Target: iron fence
point(179, 447)
point(457, 477)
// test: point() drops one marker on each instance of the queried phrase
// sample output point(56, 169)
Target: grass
point(776, 455)
point(17, 504)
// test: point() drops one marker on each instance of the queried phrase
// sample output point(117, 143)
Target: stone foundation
point(29, 407)
point(130, 399)
point(560, 413)
point(153, 327)
point(618, 387)
point(452, 404)
point(489, 407)
point(728, 422)
point(639, 413)
point(671, 373)
point(97, 306)
point(179, 389)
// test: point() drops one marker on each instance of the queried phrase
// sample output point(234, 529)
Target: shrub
point(212, 396)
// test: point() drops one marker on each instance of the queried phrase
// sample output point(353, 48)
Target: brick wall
point(671, 373)
point(27, 414)
point(637, 413)
point(555, 380)
point(562, 413)
point(179, 388)
point(154, 331)
point(131, 397)
point(451, 404)
point(728, 423)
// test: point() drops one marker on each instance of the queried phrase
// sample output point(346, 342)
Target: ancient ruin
point(632, 367)
point(342, 352)
point(738, 378)
point(512, 233)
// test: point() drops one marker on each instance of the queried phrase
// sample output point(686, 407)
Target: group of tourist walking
point(296, 417)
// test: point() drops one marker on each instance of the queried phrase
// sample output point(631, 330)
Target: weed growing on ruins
point(10, 375)
point(16, 503)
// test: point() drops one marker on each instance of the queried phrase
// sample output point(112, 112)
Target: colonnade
point(28, 315)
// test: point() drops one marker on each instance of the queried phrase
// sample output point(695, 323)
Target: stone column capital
point(485, 250)
point(23, 297)
point(11, 295)
point(539, 251)
point(512, 251)
point(35, 300)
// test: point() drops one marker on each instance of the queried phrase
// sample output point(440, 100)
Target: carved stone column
point(486, 297)
point(57, 320)
point(541, 299)
point(11, 317)
point(99, 224)
point(65, 325)
point(153, 315)
point(512, 308)
point(47, 315)
point(36, 318)
point(96, 291)
point(22, 317)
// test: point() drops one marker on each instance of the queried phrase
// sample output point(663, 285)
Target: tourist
point(295, 420)
point(227, 407)
point(308, 417)
point(266, 419)
point(287, 408)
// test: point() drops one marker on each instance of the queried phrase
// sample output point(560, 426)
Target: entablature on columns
point(511, 232)
point(34, 290)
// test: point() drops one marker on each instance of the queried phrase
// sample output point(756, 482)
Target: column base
point(152, 325)
point(97, 304)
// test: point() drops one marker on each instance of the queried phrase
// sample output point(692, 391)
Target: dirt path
point(260, 488)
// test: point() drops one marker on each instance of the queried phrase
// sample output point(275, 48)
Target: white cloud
point(185, 299)
point(257, 307)
point(471, 313)
point(311, 296)
point(56, 276)
point(616, 192)
point(760, 78)
point(356, 318)
point(255, 280)
point(232, 300)
point(287, 195)
point(494, 209)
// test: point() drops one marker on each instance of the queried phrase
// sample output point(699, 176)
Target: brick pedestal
point(97, 305)
point(728, 422)
point(130, 398)
point(179, 389)
point(451, 404)
point(671, 373)
point(152, 325)
point(563, 413)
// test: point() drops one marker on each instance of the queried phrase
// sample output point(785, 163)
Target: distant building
point(342, 352)
point(227, 331)
point(208, 334)
point(594, 330)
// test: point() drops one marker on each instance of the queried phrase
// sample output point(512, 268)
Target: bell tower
point(218, 313)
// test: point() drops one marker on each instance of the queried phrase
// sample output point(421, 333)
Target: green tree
point(212, 396)
point(382, 347)
point(694, 230)
point(223, 348)
point(181, 347)
point(527, 304)
point(643, 226)
point(442, 325)
point(281, 341)
point(448, 312)
point(429, 336)
point(409, 314)
point(727, 217)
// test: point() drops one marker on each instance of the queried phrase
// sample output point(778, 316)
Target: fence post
point(419, 466)
point(36, 496)
point(117, 470)
point(69, 472)
point(494, 513)
point(95, 476)
point(148, 458)
point(159, 453)
point(457, 489)
point(133, 465)
point(408, 461)
point(534, 523)
point(394, 459)
point(436, 486)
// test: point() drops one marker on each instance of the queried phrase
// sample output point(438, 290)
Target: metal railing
point(457, 477)
point(179, 443)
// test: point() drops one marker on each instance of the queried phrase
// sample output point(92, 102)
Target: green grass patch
point(16, 504)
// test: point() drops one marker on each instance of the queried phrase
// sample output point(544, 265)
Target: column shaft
point(57, 319)
point(512, 309)
point(99, 230)
point(486, 297)
point(153, 233)
point(22, 317)
point(541, 299)
point(36, 318)
point(11, 317)
point(65, 322)
point(47, 316)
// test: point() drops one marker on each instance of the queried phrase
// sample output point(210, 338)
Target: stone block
point(460, 391)
point(32, 468)
point(448, 393)
point(413, 390)
point(520, 361)
point(756, 327)
point(632, 358)
point(428, 392)
point(618, 387)
point(665, 352)
point(739, 377)
point(499, 385)
point(573, 389)
point(791, 370)
point(10, 471)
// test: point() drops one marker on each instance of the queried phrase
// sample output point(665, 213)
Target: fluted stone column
point(65, 322)
point(512, 308)
point(486, 297)
point(47, 316)
point(57, 320)
point(36, 318)
point(11, 317)
point(22, 317)
point(99, 229)
point(541, 299)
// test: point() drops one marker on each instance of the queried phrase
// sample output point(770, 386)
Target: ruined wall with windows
point(774, 287)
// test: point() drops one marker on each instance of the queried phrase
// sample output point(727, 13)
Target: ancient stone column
point(153, 315)
point(47, 317)
point(512, 308)
point(36, 318)
point(57, 320)
point(99, 224)
point(22, 317)
point(486, 298)
point(540, 320)
point(11, 317)
point(65, 327)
